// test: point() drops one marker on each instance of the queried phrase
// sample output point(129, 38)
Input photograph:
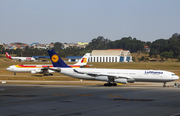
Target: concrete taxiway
point(86, 100)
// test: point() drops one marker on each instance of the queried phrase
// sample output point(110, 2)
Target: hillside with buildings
point(18, 45)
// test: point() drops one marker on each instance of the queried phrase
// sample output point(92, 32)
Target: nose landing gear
point(164, 84)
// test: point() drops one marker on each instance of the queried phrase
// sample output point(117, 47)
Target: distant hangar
point(110, 55)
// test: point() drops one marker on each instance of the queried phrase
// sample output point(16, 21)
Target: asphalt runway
point(89, 100)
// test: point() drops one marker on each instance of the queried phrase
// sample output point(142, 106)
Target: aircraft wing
point(44, 69)
point(109, 75)
point(54, 69)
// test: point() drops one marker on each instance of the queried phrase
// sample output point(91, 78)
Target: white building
point(112, 55)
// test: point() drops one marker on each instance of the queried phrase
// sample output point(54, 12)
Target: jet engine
point(33, 72)
point(36, 71)
point(123, 81)
point(130, 80)
point(101, 78)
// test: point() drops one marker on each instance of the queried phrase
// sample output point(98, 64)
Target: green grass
point(139, 65)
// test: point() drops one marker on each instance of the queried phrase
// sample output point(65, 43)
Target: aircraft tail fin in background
point(8, 56)
point(56, 60)
point(83, 61)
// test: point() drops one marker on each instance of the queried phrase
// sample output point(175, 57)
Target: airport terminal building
point(110, 55)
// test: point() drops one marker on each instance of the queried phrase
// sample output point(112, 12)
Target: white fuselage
point(137, 75)
point(23, 58)
point(34, 68)
point(27, 69)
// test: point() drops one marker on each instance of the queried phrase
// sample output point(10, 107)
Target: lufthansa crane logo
point(54, 58)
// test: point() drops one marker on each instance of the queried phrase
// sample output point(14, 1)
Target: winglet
point(8, 56)
point(56, 59)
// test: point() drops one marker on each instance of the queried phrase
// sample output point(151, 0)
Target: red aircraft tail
point(8, 56)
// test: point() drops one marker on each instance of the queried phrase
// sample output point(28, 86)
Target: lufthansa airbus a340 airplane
point(111, 76)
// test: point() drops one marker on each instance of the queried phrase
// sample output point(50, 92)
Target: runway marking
point(58, 94)
point(178, 114)
point(125, 99)
point(114, 95)
point(18, 95)
point(67, 101)
point(85, 95)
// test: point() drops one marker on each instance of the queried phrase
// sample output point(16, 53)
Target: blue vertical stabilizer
point(56, 59)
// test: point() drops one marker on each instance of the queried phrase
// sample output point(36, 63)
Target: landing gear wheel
point(114, 84)
point(164, 84)
point(108, 84)
point(48, 74)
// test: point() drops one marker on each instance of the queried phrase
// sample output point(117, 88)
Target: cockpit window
point(173, 75)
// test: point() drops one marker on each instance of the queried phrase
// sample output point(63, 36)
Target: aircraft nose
point(177, 77)
point(8, 68)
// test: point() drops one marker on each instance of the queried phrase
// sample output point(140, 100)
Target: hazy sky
point(47, 21)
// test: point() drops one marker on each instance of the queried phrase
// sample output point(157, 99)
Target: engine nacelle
point(33, 72)
point(123, 81)
point(36, 71)
point(130, 80)
point(101, 78)
point(51, 71)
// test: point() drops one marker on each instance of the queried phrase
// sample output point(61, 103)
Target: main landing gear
point(110, 84)
point(164, 84)
point(49, 74)
point(46, 72)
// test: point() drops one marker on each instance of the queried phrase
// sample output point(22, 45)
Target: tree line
point(166, 48)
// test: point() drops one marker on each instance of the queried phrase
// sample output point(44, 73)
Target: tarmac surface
point(85, 100)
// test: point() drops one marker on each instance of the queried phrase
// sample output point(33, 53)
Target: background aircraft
point(112, 76)
point(44, 69)
point(20, 58)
